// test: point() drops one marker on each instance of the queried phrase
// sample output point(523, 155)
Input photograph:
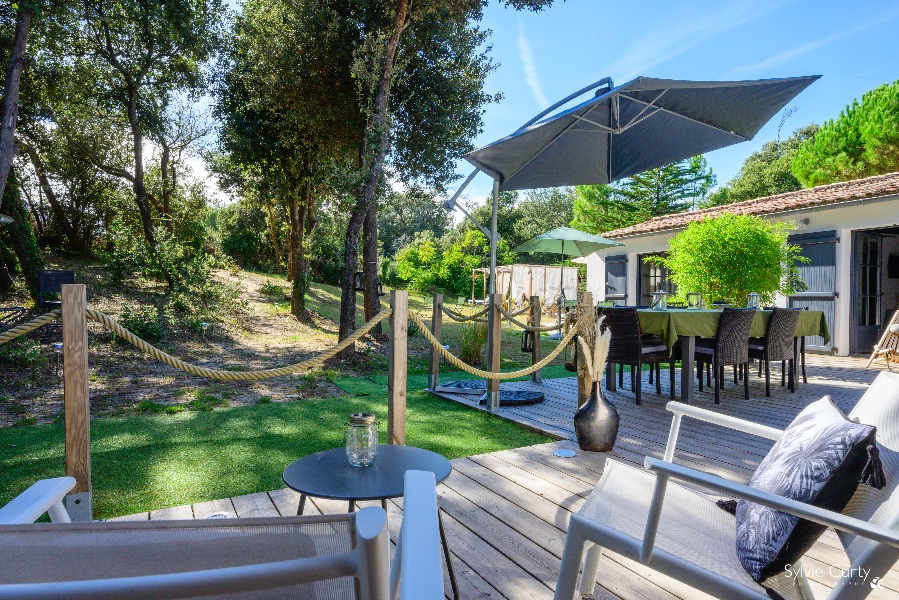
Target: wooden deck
point(507, 512)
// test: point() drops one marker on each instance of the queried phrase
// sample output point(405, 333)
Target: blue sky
point(546, 56)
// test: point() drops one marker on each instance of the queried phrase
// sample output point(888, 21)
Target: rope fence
point(511, 318)
point(455, 316)
point(307, 365)
point(455, 360)
point(218, 374)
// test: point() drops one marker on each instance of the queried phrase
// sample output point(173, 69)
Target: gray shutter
point(616, 278)
point(820, 276)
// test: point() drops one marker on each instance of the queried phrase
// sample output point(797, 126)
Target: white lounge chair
point(45, 496)
point(291, 557)
point(682, 533)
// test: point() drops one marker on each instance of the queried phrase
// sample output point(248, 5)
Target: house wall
point(844, 217)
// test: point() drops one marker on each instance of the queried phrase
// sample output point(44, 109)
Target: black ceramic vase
point(596, 423)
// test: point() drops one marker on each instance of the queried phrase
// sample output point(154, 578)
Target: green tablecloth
point(675, 322)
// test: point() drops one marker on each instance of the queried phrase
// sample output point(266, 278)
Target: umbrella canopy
point(641, 125)
point(566, 241)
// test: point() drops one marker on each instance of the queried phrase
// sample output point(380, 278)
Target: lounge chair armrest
point(417, 569)
point(44, 496)
point(680, 410)
point(833, 519)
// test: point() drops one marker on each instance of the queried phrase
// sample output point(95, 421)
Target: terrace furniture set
point(710, 339)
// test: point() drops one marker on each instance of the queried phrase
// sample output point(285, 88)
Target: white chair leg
point(575, 544)
point(591, 568)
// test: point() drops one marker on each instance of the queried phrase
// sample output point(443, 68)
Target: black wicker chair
point(630, 347)
point(777, 345)
point(730, 346)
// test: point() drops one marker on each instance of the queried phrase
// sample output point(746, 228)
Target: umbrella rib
point(634, 121)
point(531, 159)
point(682, 116)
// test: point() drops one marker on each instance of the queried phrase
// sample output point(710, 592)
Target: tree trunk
point(298, 215)
point(59, 214)
point(5, 277)
point(376, 131)
point(140, 190)
point(370, 265)
point(11, 95)
point(21, 234)
point(273, 233)
point(166, 188)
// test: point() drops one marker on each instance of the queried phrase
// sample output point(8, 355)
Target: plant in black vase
point(596, 422)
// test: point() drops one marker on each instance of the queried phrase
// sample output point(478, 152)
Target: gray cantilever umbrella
point(641, 125)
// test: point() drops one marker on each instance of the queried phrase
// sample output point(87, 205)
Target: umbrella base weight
point(479, 386)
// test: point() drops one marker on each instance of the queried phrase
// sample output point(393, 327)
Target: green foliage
point(729, 256)
point(271, 288)
point(143, 321)
point(150, 407)
point(243, 228)
point(24, 352)
point(861, 142)
point(766, 172)
point(403, 214)
point(472, 342)
point(425, 265)
point(670, 189)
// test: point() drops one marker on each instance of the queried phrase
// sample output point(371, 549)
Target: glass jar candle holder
point(660, 300)
point(753, 300)
point(361, 439)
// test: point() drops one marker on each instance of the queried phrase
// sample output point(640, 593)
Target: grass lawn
point(146, 461)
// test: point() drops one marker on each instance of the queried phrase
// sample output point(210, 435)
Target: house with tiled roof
point(848, 230)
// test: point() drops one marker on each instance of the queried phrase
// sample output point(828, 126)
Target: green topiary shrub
point(143, 321)
point(727, 257)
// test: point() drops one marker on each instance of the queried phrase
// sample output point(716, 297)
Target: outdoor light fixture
point(357, 281)
point(380, 288)
point(802, 224)
point(527, 341)
point(57, 349)
point(565, 453)
point(205, 326)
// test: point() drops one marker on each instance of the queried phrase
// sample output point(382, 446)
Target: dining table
point(687, 324)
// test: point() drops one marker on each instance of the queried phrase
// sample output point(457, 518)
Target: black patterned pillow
point(819, 460)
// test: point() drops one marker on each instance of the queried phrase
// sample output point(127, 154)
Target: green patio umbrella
point(566, 242)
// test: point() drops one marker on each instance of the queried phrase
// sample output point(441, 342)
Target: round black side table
point(329, 474)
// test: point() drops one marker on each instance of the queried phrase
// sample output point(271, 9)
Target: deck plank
point(506, 513)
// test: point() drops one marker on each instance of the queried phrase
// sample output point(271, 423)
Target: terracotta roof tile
point(834, 193)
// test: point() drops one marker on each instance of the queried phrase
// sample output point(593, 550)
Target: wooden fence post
point(494, 330)
point(436, 326)
point(537, 376)
point(397, 368)
point(584, 381)
point(76, 400)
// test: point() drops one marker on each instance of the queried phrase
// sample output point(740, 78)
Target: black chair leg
point(658, 368)
point(792, 377)
point(708, 374)
point(719, 379)
point(767, 378)
point(783, 373)
point(621, 375)
point(699, 366)
point(637, 380)
point(760, 367)
point(671, 377)
point(745, 383)
point(650, 373)
point(802, 358)
point(736, 379)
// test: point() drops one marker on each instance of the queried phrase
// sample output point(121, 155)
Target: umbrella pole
point(493, 236)
point(562, 286)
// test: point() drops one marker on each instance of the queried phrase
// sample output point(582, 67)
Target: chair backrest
point(51, 282)
point(626, 346)
point(879, 407)
point(781, 332)
point(732, 337)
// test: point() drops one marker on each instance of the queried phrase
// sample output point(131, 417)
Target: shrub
point(474, 337)
point(271, 288)
point(24, 352)
point(728, 257)
point(143, 321)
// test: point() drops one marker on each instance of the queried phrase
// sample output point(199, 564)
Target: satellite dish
point(5, 220)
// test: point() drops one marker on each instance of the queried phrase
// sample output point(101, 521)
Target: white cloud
point(530, 69)
point(798, 51)
point(659, 46)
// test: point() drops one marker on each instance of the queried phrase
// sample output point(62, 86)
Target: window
point(653, 278)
